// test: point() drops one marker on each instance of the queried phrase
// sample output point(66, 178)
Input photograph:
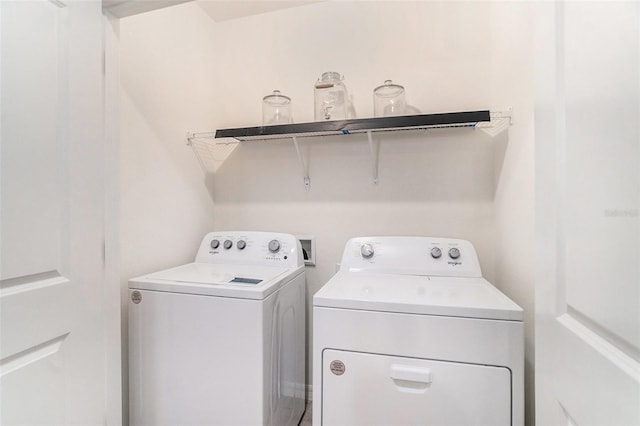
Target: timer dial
point(366, 250)
point(274, 246)
point(454, 253)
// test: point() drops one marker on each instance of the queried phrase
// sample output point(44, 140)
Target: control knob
point(454, 253)
point(436, 252)
point(241, 244)
point(274, 246)
point(215, 244)
point(366, 250)
point(228, 244)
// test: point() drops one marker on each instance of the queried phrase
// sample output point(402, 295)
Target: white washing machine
point(221, 341)
point(409, 333)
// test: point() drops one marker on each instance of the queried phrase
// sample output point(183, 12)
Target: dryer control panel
point(251, 248)
point(446, 257)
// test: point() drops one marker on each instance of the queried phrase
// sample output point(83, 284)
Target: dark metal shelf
point(358, 125)
point(212, 148)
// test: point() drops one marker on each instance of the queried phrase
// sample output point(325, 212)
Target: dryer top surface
point(417, 294)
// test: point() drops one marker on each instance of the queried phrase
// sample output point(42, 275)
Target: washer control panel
point(251, 248)
point(448, 257)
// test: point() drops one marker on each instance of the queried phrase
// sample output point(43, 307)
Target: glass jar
point(330, 96)
point(276, 109)
point(389, 100)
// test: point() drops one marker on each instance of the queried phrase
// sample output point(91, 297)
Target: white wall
point(166, 89)
point(450, 56)
point(512, 58)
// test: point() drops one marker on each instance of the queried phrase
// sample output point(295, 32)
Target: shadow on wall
point(438, 165)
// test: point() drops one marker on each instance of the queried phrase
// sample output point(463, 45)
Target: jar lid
point(329, 79)
point(276, 98)
point(330, 76)
point(388, 89)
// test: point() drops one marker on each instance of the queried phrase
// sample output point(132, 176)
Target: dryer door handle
point(408, 378)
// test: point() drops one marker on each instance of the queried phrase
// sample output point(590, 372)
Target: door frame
point(113, 295)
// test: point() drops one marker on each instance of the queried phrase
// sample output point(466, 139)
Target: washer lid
point(245, 282)
point(414, 294)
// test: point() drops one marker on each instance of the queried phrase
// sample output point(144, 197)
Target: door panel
point(588, 232)
point(26, 308)
point(31, 180)
point(370, 389)
point(602, 159)
point(52, 290)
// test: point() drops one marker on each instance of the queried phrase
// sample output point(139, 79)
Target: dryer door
point(368, 389)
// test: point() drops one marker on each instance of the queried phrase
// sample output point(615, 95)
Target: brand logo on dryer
point(454, 262)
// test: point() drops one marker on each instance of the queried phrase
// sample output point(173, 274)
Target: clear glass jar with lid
point(389, 100)
point(276, 109)
point(330, 96)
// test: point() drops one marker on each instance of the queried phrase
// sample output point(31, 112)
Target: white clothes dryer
point(221, 341)
point(409, 333)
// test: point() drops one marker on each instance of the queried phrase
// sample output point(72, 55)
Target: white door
point(588, 232)
point(363, 389)
point(57, 348)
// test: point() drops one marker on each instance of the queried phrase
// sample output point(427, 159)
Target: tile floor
point(306, 419)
